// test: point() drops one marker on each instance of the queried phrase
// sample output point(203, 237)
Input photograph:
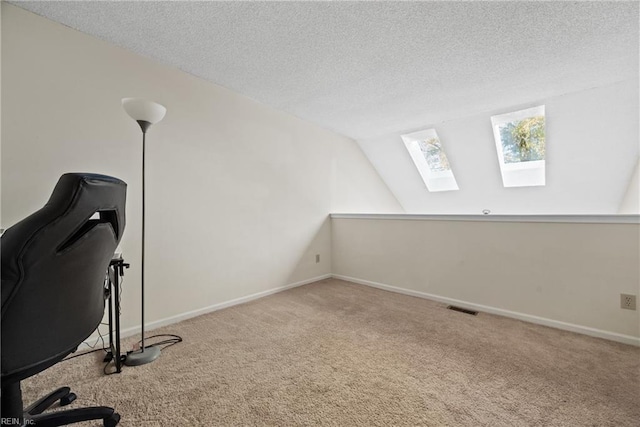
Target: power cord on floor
point(109, 357)
point(173, 340)
point(83, 354)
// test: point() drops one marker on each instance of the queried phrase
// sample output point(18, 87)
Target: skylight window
point(520, 142)
point(427, 154)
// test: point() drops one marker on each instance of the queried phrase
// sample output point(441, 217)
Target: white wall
point(630, 203)
point(237, 193)
point(592, 148)
point(559, 274)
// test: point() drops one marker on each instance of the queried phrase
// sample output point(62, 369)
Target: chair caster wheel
point(68, 399)
point(112, 421)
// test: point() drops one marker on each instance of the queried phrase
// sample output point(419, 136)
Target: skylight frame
point(435, 180)
point(530, 173)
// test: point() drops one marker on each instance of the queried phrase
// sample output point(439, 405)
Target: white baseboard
point(189, 314)
point(612, 336)
point(93, 340)
point(598, 333)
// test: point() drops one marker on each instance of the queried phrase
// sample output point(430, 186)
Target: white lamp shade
point(141, 109)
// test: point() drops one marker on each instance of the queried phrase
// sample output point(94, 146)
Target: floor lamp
point(145, 113)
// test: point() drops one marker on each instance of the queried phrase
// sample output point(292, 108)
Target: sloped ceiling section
point(591, 151)
point(375, 70)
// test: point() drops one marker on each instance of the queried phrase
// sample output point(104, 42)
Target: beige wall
point(552, 273)
point(237, 193)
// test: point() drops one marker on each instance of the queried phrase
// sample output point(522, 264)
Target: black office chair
point(54, 264)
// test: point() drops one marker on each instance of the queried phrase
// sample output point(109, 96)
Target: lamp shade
point(141, 109)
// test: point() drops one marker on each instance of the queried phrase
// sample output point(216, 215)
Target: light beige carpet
point(339, 354)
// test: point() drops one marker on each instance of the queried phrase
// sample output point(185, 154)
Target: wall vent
point(462, 310)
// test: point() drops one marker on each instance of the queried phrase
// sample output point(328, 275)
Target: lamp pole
point(145, 113)
point(144, 200)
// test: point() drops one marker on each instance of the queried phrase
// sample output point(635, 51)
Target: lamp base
point(140, 357)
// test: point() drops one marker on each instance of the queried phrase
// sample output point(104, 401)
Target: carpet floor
point(334, 353)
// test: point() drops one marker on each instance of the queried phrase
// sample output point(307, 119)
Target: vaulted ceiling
point(373, 70)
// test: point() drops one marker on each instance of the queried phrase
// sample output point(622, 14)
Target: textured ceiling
point(366, 69)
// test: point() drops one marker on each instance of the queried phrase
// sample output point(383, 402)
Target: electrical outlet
point(628, 301)
point(317, 258)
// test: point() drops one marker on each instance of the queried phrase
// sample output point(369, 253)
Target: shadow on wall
point(630, 203)
point(315, 260)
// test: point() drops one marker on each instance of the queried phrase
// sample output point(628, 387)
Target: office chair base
point(63, 394)
point(140, 357)
point(33, 415)
point(68, 399)
point(109, 417)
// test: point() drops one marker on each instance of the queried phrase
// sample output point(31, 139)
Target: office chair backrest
point(53, 268)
